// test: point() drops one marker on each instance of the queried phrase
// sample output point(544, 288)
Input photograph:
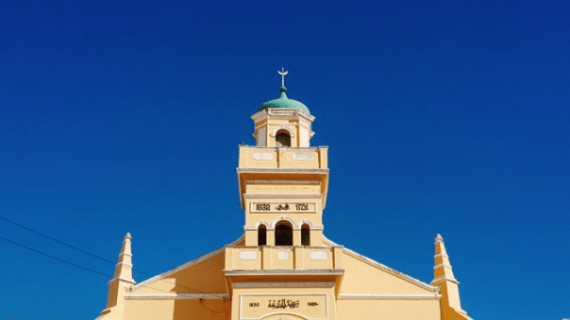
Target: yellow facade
point(283, 267)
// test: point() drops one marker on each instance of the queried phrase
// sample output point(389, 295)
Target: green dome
point(284, 103)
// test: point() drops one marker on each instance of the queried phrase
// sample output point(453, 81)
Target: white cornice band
point(381, 296)
point(283, 284)
point(178, 296)
point(284, 272)
point(303, 182)
point(282, 196)
point(443, 279)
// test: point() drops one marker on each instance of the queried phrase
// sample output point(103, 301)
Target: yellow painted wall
point(178, 309)
point(365, 278)
point(204, 276)
point(388, 309)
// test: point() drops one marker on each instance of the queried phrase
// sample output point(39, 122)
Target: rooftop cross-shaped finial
point(283, 73)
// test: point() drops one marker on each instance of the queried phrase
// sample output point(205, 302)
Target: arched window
point(305, 235)
point(261, 235)
point(283, 234)
point(283, 139)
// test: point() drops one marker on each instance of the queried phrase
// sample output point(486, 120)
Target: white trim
point(266, 224)
point(131, 281)
point(284, 218)
point(443, 265)
point(288, 148)
point(303, 182)
point(184, 266)
point(124, 264)
point(321, 227)
point(441, 255)
point(283, 170)
point(288, 272)
point(302, 222)
point(282, 196)
point(383, 296)
point(178, 296)
point(382, 267)
point(441, 279)
point(286, 128)
point(283, 284)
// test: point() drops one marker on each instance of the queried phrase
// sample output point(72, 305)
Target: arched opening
point(283, 234)
point(306, 235)
point(262, 235)
point(283, 139)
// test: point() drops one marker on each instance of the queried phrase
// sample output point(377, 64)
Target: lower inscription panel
point(258, 306)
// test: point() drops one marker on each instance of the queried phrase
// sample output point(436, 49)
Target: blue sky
point(446, 117)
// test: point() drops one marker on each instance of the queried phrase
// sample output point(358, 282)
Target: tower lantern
point(283, 122)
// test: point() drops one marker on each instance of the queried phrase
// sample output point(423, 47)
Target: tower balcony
point(282, 258)
point(281, 266)
point(283, 157)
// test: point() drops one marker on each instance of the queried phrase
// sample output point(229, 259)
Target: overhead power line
point(85, 252)
point(79, 266)
point(60, 242)
point(56, 258)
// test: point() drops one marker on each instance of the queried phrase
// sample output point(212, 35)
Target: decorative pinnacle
point(283, 73)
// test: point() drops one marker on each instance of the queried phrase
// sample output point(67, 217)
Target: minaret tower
point(283, 180)
point(283, 184)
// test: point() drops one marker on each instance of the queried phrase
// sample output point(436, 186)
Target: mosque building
point(283, 267)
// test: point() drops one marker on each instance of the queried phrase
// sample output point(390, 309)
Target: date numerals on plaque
point(263, 207)
point(254, 304)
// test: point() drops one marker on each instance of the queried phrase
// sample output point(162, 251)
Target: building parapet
point(283, 258)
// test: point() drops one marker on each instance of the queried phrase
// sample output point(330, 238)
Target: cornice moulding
point(376, 296)
point(282, 170)
point(303, 182)
point(283, 284)
point(178, 296)
point(280, 195)
point(284, 272)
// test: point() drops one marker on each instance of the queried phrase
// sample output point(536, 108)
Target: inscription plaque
point(295, 207)
point(259, 306)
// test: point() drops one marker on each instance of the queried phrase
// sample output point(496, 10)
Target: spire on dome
point(283, 73)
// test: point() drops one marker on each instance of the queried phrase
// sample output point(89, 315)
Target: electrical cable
point(53, 239)
point(56, 258)
point(85, 252)
point(85, 268)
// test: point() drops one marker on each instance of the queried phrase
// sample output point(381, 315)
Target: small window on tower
point(283, 139)
point(262, 235)
point(305, 235)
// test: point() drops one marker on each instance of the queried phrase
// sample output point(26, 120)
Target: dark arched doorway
point(283, 234)
point(283, 139)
